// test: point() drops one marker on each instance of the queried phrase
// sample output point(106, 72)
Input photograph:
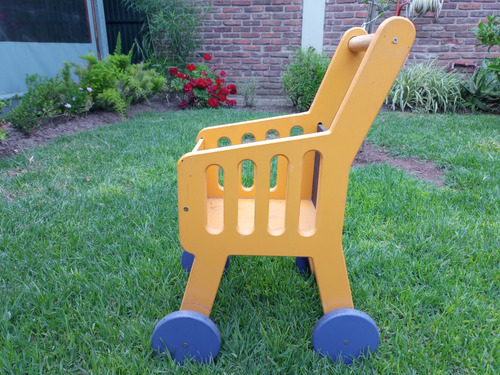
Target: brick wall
point(256, 37)
point(446, 39)
point(253, 38)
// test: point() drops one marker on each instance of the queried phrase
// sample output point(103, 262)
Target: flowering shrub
point(201, 86)
point(77, 100)
point(116, 82)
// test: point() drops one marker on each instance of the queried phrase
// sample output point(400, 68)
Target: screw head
point(395, 40)
point(186, 208)
point(346, 342)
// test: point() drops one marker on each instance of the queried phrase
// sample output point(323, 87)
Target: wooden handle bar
point(360, 43)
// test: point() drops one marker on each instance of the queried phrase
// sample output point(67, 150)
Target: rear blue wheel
point(345, 334)
point(302, 264)
point(188, 336)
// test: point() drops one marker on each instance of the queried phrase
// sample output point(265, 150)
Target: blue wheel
point(188, 259)
point(345, 334)
point(302, 264)
point(187, 335)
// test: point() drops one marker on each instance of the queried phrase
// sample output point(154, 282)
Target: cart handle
point(360, 43)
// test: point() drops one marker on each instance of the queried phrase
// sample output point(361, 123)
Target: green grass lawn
point(90, 258)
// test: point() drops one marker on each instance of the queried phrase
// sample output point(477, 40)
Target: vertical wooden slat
point(231, 186)
point(317, 162)
point(262, 183)
point(293, 192)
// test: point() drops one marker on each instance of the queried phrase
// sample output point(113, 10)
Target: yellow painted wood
point(217, 221)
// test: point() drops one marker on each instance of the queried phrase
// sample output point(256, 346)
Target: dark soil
point(18, 142)
point(423, 169)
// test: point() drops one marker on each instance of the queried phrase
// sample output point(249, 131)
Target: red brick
point(242, 41)
point(232, 23)
point(261, 42)
point(469, 6)
point(452, 41)
point(222, 16)
point(254, 9)
point(271, 23)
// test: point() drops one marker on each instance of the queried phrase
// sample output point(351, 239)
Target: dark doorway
point(121, 19)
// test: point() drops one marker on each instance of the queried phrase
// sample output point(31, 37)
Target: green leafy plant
point(110, 84)
point(38, 104)
point(484, 90)
point(75, 99)
point(426, 87)
point(47, 98)
point(116, 82)
point(484, 86)
point(488, 34)
point(3, 132)
point(4, 103)
point(249, 90)
point(303, 76)
point(171, 30)
point(201, 86)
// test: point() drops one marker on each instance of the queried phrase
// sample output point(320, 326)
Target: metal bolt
point(185, 345)
point(186, 208)
point(346, 342)
point(395, 40)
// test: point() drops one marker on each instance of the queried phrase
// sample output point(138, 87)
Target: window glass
point(45, 21)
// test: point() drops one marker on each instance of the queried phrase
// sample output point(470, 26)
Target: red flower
point(231, 102)
point(219, 82)
point(201, 83)
point(213, 102)
point(204, 73)
point(232, 89)
point(222, 73)
point(183, 104)
point(207, 57)
point(225, 91)
point(222, 97)
point(188, 87)
point(191, 67)
point(180, 75)
point(173, 71)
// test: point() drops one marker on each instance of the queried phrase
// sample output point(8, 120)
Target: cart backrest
point(358, 80)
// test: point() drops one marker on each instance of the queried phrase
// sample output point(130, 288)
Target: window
point(44, 21)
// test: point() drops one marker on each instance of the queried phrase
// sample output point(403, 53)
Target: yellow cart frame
point(302, 214)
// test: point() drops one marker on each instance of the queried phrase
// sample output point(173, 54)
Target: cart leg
point(203, 283)
point(190, 334)
point(188, 258)
point(332, 280)
point(343, 333)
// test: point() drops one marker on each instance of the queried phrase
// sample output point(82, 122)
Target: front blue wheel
point(345, 334)
point(187, 335)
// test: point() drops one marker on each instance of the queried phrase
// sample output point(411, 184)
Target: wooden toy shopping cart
point(299, 212)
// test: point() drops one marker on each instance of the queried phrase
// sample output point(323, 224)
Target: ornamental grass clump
point(200, 86)
point(426, 87)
